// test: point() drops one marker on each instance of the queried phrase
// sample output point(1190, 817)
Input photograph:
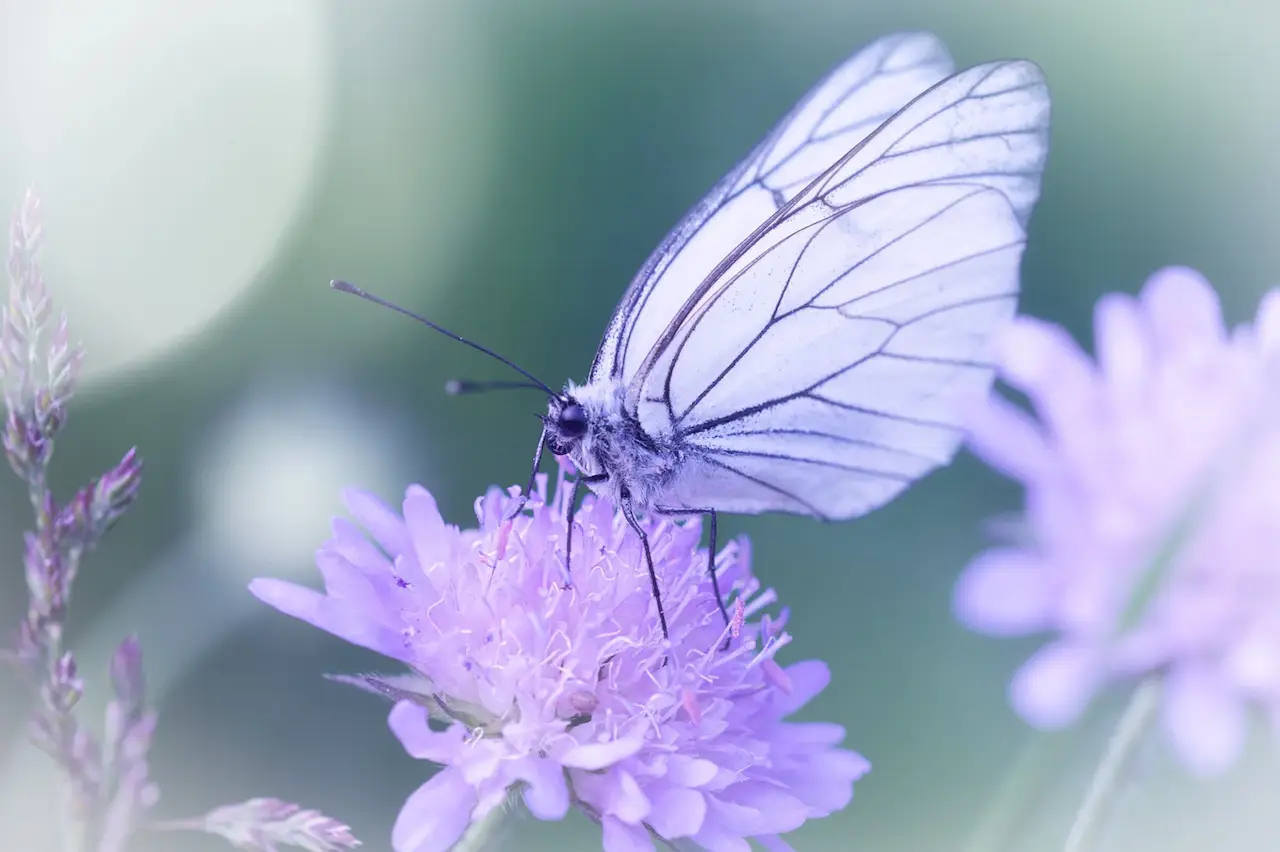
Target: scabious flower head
point(1151, 535)
point(569, 694)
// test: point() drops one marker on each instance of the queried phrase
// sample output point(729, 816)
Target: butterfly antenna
point(347, 287)
point(458, 387)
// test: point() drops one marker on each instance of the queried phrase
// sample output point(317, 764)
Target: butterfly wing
point(839, 112)
point(821, 368)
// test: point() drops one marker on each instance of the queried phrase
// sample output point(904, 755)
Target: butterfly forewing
point(825, 366)
point(838, 113)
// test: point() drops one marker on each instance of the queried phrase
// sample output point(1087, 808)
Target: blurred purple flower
point(1151, 539)
point(264, 825)
point(570, 695)
point(109, 776)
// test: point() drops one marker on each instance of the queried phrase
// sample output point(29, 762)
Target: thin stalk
point(1112, 769)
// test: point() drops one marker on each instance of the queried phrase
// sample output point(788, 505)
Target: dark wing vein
point(831, 436)
point(852, 468)
point(820, 191)
point(777, 489)
point(618, 333)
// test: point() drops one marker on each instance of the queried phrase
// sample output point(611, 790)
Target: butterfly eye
point(572, 421)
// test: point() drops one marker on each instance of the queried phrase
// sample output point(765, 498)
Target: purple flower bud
point(137, 741)
point(114, 492)
point(25, 446)
point(28, 651)
point(265, 824)
point(67, 676)
point(38, 364)
point(127, 680)
point(39, 572)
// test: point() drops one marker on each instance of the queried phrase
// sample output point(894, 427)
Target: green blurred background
point(207, 167)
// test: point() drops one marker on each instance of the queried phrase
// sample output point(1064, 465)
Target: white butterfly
point(804, 339)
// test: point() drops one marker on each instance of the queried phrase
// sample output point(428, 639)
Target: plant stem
point(1019, 792)
point(1112, 768)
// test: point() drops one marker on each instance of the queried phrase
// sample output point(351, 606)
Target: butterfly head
point(566, 424)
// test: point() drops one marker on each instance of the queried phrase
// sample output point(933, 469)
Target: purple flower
point(569, 695)
point(1151, 535)
point(265, 825)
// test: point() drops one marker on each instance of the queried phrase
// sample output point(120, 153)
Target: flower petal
point(547, 794)
point(1054, 686)
point(435, 815)
point(426, 528)
point(357, 626)
point(1184, 310)
point(764, 809)
point(1007, 438)
point(808, 678)
point(620, 837)
point(690, 771)
point(714, 838)
point(1043, 360)
point(1004, 593)
point(595, 756)
point(1205, 718)
point(408, 722)
point(387, 527)
point(628, 802)
point(677, 811)
point(1267, 322)
point(1122, 341)
point(351, 544)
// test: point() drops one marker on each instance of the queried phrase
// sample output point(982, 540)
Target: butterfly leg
point(533, 476)
point(630, 515)
point(711, 551)
point(569, 513)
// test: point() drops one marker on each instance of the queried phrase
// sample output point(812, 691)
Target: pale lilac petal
point(289, 598)
point(547, 795)
point(352, 545)
point(345, 581)
point(620, 837)
point(387, 527)
point(1044, 362)
point(1053, 687)
point(1008, 439)
point(690, 771)
point(808, 678)
point(320, 611)
point(1253, 664)
point(1184, 310)
point(849, 765)
point(426, 527)
point(435, 815)
point(812, 733)
point(408, 721)
point(628, 802)
point(601, 755)
point(1122, 342)
point(778, 810)
point(774, 843)
point(1267, 323)
point(1004, 593)
point(1205, 718)
point(714, 838)
point(677, 812)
